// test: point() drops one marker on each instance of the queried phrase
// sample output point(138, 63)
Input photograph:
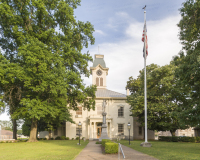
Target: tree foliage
point(188, 62)
point(162, 110)
point(6, 125)
point(44, 40)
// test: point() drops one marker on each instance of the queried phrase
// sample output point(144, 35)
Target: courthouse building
point(118, 112)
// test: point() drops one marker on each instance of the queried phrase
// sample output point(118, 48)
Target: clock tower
point(99, 71)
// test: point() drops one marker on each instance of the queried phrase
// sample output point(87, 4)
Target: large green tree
point(45, 40)
point(188, 62)
point(162, 104)
point(10, 88)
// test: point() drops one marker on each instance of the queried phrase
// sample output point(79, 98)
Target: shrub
point(62, 137)
point(165, 138)
point(197, 139)
point(67, 138)
point(77, 138)
point(187, 139)
point(72, 138)
point(83, 138)
point(57, 138)
point(111, 147)
point(175, 139)
point(104, 141)
point(51, 139)
point(98, 142)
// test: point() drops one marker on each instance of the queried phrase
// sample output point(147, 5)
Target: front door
point(98, 132)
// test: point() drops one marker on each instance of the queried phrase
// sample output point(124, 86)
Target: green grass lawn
point(167, 150)
point(44, 149)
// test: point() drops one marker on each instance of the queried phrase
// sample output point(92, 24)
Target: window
point(101, 81)
point(97, 81)
point(77, 130)
point(79, 111)
point(121, 112)
point(121, 129)
point(140, 130)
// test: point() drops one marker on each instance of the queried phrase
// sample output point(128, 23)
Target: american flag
point(145, 43)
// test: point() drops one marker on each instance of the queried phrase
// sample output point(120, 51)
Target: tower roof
point(99, 59)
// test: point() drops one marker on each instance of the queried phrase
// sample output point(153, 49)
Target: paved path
point(93, 152)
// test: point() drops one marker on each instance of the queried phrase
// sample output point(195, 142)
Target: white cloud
point(125, 58)
point(99, 32)
point(122, 14)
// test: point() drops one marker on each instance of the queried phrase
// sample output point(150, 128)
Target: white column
point(110, 130)
point(95, 130)
point(90, 135)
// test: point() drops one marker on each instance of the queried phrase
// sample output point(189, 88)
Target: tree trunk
point(173, 132)
point(14, 128)
point(33, 132)
point(49, 134)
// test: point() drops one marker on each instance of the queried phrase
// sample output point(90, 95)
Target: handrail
point(120, 148)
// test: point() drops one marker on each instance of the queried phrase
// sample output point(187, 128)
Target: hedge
point(179, 139)
point(62, 137)
point(104, 141)
point(111, 147)
point(197, 139)
point(187, 139)
point(57, 138)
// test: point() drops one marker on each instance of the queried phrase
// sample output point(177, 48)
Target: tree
point(19, 131)
point(162, 103)
point(26, 127)
point(44, 39)
point(188, 62)
point(6, 125)
point(10, 88)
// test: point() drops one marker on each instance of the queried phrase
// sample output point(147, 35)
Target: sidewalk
point(93, 152)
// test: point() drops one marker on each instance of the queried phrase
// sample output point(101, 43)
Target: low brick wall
point(7, 140)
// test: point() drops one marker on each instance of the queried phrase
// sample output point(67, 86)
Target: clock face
point(99, 72)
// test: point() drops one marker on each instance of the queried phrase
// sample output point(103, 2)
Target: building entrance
point(99, 129)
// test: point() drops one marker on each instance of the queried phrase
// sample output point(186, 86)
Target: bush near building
point(111, 147)
point(179, 139)
point(104, 141)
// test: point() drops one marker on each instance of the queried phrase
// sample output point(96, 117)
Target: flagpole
point(145, 81)
point(144, 39)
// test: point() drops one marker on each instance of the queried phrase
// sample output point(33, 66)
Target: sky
point(118, 28)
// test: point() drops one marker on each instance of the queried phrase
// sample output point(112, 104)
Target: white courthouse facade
point(118, 112)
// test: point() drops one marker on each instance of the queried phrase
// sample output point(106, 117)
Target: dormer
point(99, 71)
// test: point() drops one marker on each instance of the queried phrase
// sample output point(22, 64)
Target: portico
point(94, 126)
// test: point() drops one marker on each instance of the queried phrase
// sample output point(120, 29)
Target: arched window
point(97, 81)
point(101, 81)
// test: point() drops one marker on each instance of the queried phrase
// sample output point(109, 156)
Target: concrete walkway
point(93, 152)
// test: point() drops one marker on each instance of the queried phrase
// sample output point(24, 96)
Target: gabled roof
point(102, 92)
point(6, 132)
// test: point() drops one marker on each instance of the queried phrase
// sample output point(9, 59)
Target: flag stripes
point(145, 39)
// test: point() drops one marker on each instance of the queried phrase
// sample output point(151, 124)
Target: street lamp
point(79, 127)
point(129, 128)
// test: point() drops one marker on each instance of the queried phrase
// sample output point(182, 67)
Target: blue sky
point(118, 28)
point(118, 31)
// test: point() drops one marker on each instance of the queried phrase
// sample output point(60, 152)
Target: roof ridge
point(116, 92)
